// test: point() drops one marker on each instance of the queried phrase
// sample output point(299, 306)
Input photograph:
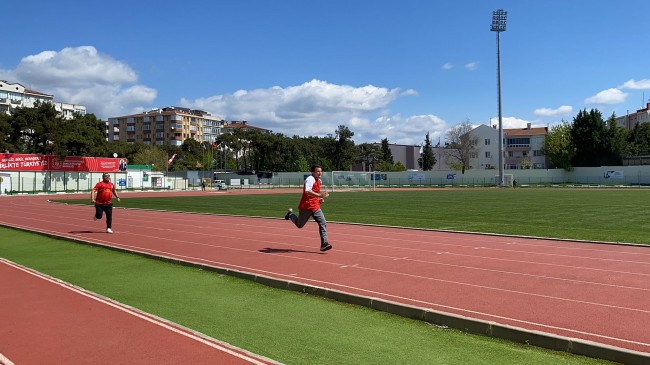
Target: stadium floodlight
point(499, 18)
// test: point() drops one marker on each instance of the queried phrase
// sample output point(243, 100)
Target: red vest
point(308, 202)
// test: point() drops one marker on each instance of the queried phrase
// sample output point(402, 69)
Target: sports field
point(584, 214)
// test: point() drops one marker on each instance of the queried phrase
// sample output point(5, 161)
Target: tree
point(151, 155)
point(559, 147)
point(35, 130)
point(427, 157)
point(386, 153)
point(80, 136)
point(638, 140)
point(344, 148)
point(5, 134)
point(461, 145)
point(590, 138)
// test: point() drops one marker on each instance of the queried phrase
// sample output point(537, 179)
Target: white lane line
point(221, 346)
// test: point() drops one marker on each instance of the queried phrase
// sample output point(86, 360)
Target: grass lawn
point(286, 326)
point(601, 215)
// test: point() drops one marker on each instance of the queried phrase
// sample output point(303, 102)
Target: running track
point(591, 292)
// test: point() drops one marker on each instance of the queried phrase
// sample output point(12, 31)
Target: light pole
point(499, 25)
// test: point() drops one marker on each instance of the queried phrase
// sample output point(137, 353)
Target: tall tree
point(427, 157)
point(386, 153)
point(461, 144)
point(344, 148)
point(590, 137)
point(559, 147)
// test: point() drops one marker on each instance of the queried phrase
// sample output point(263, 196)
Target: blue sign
point(121, 182)
point(451, 176)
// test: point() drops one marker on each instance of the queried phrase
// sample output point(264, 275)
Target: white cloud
point(314, 108)
point(512, 122)
point(547, 112)
point(81, 75)
point(609, 96)
point(472, 66)
point(447, 66)
point(636, 85)
point(410, 130)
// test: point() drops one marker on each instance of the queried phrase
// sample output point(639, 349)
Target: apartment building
point(14, 96)
point(630, 120)
point(522, 148)
point(170, 125)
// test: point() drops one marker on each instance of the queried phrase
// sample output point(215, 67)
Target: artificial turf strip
point(286, 326)
point(585, 214)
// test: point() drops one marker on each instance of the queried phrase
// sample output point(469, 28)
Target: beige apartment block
point(171, 125)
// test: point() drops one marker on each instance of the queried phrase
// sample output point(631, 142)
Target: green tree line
point(589, 141)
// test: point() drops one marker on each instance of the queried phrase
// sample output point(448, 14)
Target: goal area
point(352, 180)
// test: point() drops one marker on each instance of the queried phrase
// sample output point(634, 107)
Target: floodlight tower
point(499, 25)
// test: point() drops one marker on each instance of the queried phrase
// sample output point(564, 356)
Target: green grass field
point(286, 326)
point(601, 215)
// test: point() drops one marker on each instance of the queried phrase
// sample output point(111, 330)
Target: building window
point(538, 153)
point(518, 142)
point(488, 154)
point(473, 155)
point(487, 141)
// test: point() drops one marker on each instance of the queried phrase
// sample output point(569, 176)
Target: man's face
point(107, 178)
point(318, 172)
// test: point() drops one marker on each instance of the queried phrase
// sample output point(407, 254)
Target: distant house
point(522, 148)
point(241, 125)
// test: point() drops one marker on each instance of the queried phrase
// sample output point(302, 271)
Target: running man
point(309, 206)
point(101, 196)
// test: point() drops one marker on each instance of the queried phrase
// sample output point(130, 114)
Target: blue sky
point(386, 69)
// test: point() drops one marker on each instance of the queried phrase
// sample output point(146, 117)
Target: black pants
point(105, 208)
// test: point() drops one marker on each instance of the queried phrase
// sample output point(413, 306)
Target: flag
point(171, 159)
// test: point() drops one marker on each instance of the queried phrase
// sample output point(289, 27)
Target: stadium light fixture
point(499, 18)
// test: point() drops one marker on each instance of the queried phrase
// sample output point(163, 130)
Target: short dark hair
point(314, 167)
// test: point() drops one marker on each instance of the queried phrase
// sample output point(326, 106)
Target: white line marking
point(219, 346)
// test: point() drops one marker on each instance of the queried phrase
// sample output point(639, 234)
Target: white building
point(14, 96)
point(522, 148)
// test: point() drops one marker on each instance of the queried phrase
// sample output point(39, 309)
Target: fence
point(22, 182)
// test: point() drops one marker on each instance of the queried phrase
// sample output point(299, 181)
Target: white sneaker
point(108, 230)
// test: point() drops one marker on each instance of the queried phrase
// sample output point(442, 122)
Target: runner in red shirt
point(309, 206)
point(101, 196)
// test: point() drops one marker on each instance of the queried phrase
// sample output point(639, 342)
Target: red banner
point(22, 162)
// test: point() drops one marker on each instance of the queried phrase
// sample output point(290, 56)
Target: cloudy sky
point(386, 69)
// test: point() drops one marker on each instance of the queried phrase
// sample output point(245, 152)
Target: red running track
point(593, 292)
point(46, 321)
